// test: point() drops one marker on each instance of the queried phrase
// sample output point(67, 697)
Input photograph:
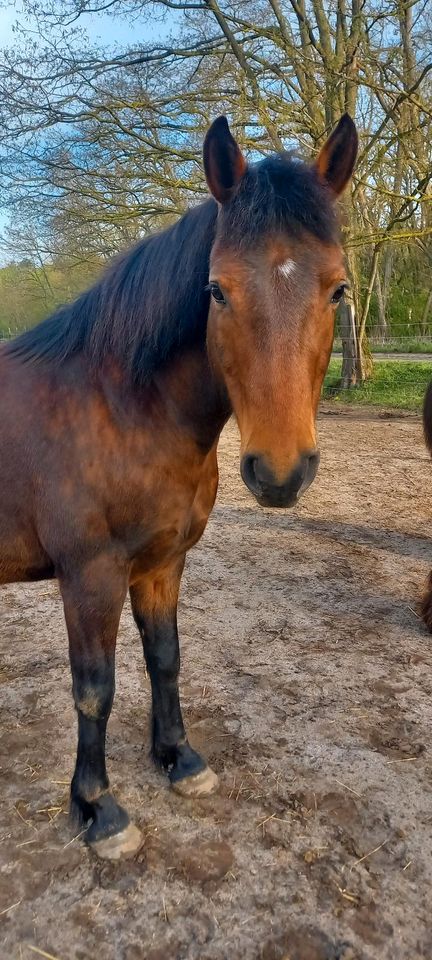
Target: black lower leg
point(93, 600)
point(91, 799)
point(170, 747)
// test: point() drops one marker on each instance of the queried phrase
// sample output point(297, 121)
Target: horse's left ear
point(224, 163)
point(335, 161)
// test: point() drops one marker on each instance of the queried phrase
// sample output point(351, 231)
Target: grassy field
point(397, 385)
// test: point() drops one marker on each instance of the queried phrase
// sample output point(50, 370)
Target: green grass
point(395, 345)
point(398, 385)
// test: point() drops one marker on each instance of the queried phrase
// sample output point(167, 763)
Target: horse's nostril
point(311, 464)
point(257, 473)
point(314, 459)
point(247, 471)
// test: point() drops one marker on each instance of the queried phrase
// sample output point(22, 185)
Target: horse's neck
point(194, 395)
point(185, 394)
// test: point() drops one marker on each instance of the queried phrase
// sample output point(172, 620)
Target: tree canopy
point(100, 143)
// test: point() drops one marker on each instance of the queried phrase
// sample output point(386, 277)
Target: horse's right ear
point(224, 163)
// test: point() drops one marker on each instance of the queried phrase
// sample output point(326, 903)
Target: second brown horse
point(111, 412)
point(427, 425)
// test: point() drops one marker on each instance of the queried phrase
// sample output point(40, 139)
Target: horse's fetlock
point(93, 703)
point(91, 793)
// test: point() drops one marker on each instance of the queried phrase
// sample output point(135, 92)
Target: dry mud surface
point(306, 679)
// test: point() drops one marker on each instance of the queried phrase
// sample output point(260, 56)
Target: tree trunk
point(425, 316)
point(366, 305)
point(356, 356)
point(380, 329)
point(348, 331)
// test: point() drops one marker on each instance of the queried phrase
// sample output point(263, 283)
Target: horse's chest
point(176, 521)
point(161, 545)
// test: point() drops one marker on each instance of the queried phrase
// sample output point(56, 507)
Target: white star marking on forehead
point(287, 268)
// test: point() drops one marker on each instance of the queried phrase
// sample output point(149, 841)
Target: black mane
point(153, 298)
point(149, 301)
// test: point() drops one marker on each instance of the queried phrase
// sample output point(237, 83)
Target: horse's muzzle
point(260, 480)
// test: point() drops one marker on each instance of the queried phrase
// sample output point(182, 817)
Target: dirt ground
point(306, 679)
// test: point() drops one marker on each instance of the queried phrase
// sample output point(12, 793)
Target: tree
point(112, 143)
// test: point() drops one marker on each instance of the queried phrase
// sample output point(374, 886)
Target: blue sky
point(113, 32)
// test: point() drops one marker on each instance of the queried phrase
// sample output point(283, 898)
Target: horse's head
point(276, 275)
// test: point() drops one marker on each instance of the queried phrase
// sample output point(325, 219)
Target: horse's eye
point(339, 292)
point(216, 292)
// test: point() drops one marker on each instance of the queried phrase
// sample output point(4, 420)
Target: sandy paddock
point(306, 679)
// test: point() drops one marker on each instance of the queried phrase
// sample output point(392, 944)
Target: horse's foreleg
point(426, 608)
point(93, 598)
point(154, 606)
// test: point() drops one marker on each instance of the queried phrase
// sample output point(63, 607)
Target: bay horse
point(111, 410)
point(427, 425)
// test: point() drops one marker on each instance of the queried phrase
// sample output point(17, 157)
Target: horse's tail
point(427, 417)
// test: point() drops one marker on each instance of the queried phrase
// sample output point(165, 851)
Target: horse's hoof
point(200, 784)
point(119, 847)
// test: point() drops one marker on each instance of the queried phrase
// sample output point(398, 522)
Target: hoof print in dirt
point(306, 943)
point(206, 862)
